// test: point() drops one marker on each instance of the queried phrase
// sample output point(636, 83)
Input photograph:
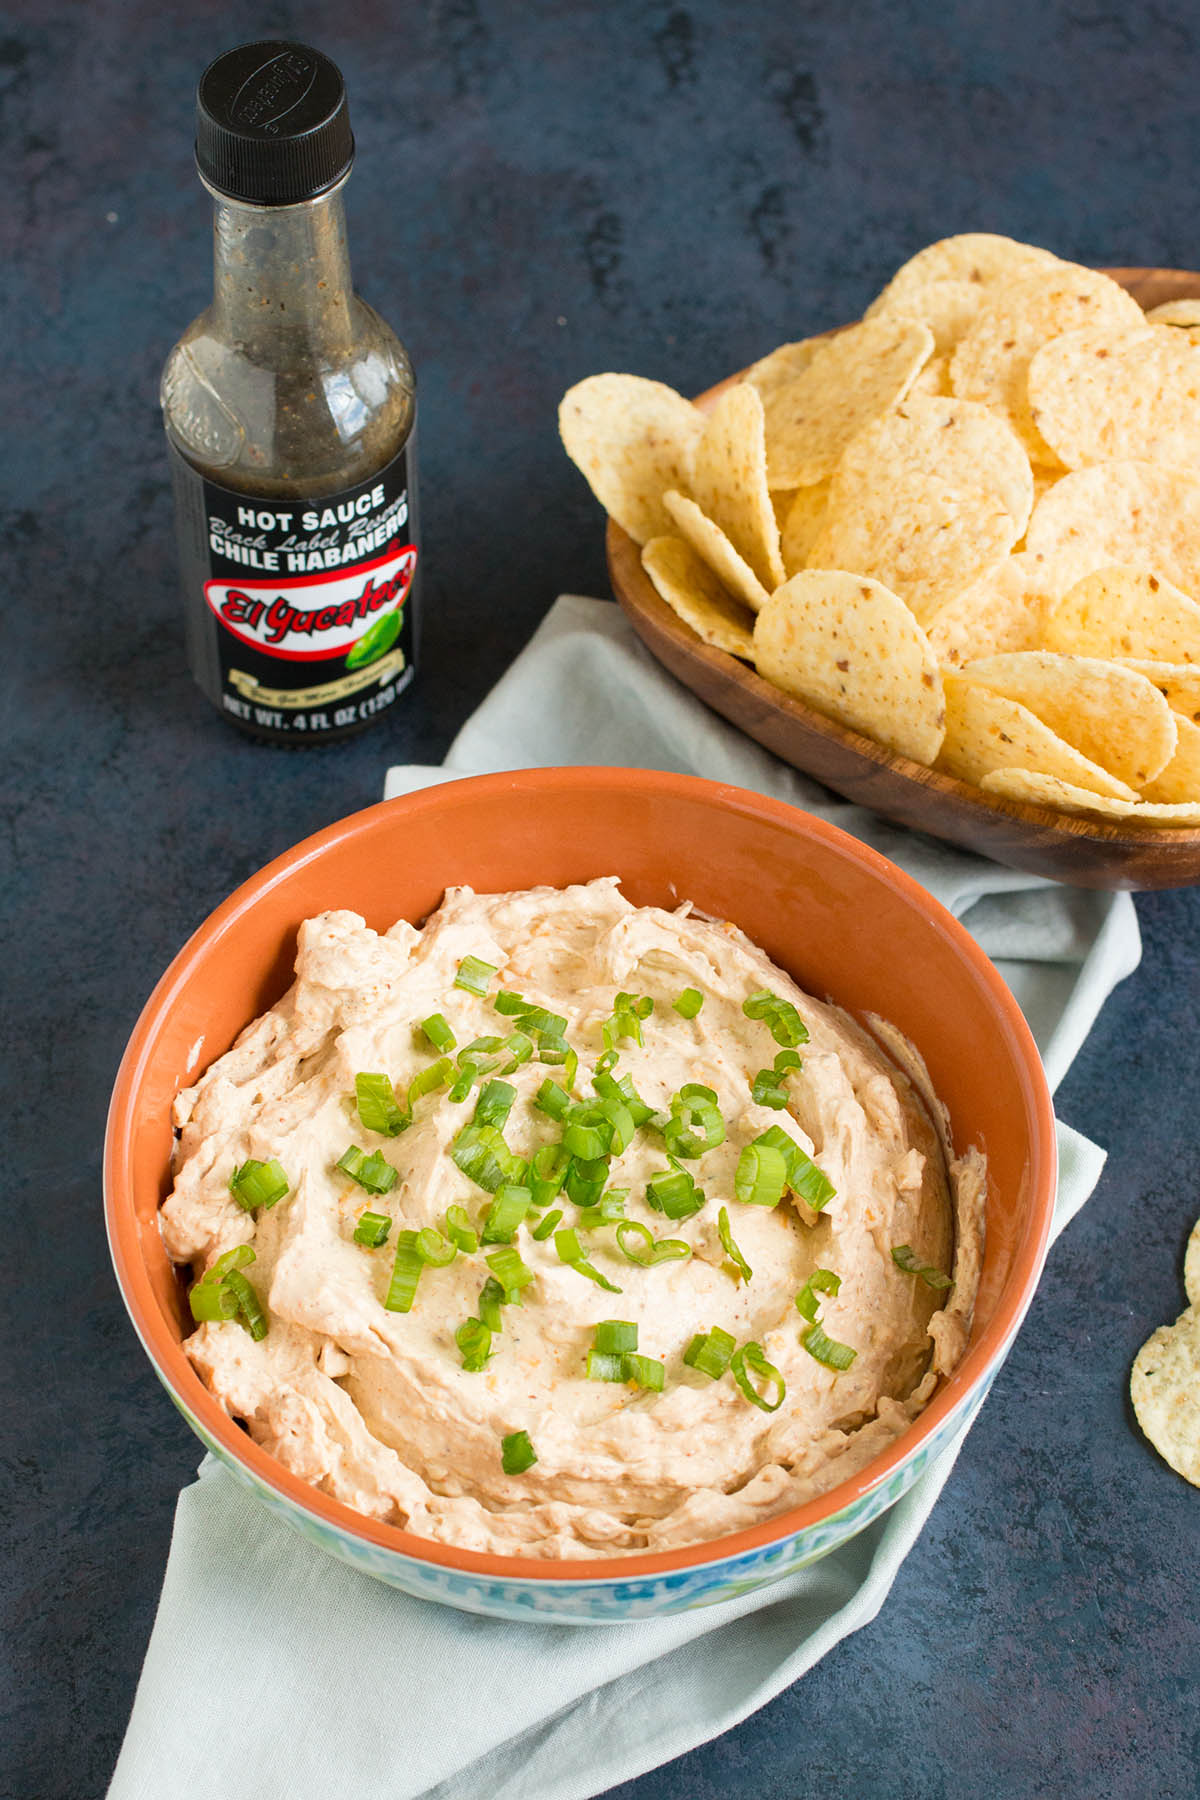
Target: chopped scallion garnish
point(552, 1099)
point(520, 1048)
point(211, 1301)
point(378, 1108)
point(749, 1358)
point(784, 1022)
point(460, 1230)
point(688, 1004)
point(545, 1226)
point(491, 1299)
point(438, 1032)
point(760, 1178)
point(494, 1104)
point(505, 1213)
point(374, 1172)
point(648, 1251)
point(482, 1154)
point(258, 1184)
point(435, 1251)
point(585, 1181)
point(372, 1229)
point(643, 1371)
point(474, 1339)
point(474, 975)
point(695, 1124)
point(709, 1352)
point(248, 1303)
point(517, 1453)
point(906, 1258)
point(571, 1252)
point(602, 1365)
point(821, 1281)
point(833, 1355)
point(406, 1272)
point(510, 1272)
point(436, 1075)
point(673, 1192)
point(616, 1335)
point(730, 1248)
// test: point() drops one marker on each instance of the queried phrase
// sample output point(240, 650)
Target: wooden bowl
point(1086, 852)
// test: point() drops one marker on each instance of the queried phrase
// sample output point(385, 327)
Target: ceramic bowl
point(840, 918)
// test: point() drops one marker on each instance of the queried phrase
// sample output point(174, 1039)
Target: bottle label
point(302, 617)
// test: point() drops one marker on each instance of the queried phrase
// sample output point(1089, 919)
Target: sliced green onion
point(211, 1301)
point(821, 1281)
point(510, 1004)
point(438, 1031)
point(784, 1022)
point(495, 1103)
point(615, 1335)
point(571, 1252)
point(688, 1004)
point(374, 1173)
point(709, 1352)
point(648, 1251)
point(436, 1075)
point(435, 1251)
point(372, 1229)
point(552, 1099)
point(623, 1091)
point(517, 1453)
point(406, 1272)
point(482, 1154)
point(643, 1371)
point(673, 1192)
point(505, 1213)
point(548, 1171)
point(586, 1139)
point(248, 1304)
point(810, 1183)
point(510, 1272)
point(608, 1210)
point(906, 1258)
point(460, 1230)
point(240, 1257)
point(695, 1124)
point(585, 1181)
point(258, 1184)
point(767, 1091)
point(474, 1339)
point(520, 1048)
point(626, 1022)
point(491, 1299)
point(533, 1018)
point(750, 1356)
point(786, 1060)
point(474, 975)
point(603, 1366)
point(378, 1108)
point(545, 1226)
point(604, 1063)
point(833, 1355)
point(760, 1178)
point(730, 1248)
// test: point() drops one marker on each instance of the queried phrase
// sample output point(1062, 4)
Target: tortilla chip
point(1184, 315)
point(946, 305)
point(1123, 612)
point(933, 381)
point(729, 481)
point(980, 257)
point(851, 379)
point(1110, 714)
point(1135, 513)
point(1179, 779)
point(1003, 609)
point(1164, 1386)
point(987, 731)
point(687, 584)
point(953, 441)
point(710, 543)
point(1191, 1266)
point(1096, 397)
point(920, 538)
point(802, 524)
point(1049, 790)
point(1178, 683)
point(991, 364)
point(783, 364)
point(632, 439)
point(854, 651)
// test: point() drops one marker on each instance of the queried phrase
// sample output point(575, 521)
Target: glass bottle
point(290, 413)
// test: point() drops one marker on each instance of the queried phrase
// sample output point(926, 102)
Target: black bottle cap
point(272, 124)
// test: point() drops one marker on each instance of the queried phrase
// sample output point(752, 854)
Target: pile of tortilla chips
point(968, 526)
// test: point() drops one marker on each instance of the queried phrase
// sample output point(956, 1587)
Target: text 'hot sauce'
point(290, 414)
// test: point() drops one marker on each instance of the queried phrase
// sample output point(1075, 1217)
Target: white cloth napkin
point(276, 1671)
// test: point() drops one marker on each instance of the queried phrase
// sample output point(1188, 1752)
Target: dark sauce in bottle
point(290, 414)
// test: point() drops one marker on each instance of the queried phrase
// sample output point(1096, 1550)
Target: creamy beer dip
point(563, 1227)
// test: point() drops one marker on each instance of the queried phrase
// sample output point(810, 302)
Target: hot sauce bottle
point(290, 415)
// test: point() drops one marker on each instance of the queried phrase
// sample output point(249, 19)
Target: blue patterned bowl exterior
point(607, 1601)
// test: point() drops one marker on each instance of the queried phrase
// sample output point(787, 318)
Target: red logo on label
point(313, 618)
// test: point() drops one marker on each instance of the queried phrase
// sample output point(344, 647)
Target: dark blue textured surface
point(546, 190)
